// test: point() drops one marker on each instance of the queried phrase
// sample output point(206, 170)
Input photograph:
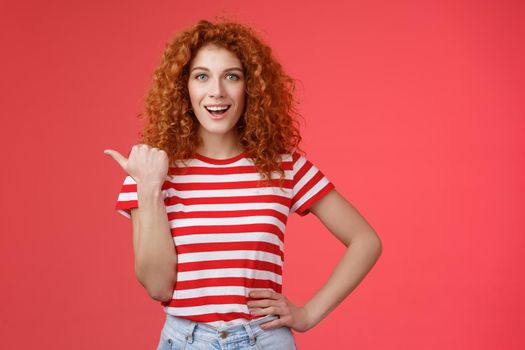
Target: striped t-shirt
point(228, 230)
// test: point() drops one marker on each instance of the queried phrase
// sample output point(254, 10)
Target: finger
point(258, 293)
point(119, 158)
point(260, 303)
point(272, 324)
point(272, 309)
point(264, 294)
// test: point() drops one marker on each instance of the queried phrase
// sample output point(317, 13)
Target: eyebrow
point(226, 70)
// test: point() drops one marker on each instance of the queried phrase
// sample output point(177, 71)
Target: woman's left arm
point(363, 249)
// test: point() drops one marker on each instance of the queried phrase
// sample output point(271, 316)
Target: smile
point(217, 112)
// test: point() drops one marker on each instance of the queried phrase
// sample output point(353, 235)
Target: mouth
point(217, 112)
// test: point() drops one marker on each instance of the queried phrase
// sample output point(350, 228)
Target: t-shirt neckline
point(220, 161)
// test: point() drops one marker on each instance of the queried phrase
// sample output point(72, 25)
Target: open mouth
point(217, 110)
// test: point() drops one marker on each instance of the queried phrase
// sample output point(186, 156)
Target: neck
point(220, 146)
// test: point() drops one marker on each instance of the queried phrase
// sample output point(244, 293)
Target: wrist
point(149, 191)
point(310, 317)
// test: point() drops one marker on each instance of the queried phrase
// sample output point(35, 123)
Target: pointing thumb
point(119, 158)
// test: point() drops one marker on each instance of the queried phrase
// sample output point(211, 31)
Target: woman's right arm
point(153, 245)
point(154, 249)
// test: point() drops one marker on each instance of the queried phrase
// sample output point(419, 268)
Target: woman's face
point(216, 87)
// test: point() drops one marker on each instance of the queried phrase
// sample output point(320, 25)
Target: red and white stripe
point(229, 230)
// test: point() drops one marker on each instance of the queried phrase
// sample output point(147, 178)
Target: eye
point(200, 75)
point(234, 76)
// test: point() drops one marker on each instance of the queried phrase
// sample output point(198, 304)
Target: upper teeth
point(217, 108)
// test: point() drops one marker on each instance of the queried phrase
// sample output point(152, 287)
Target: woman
point(216, 176)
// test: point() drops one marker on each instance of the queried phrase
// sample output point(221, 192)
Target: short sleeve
point(127, 198)
point(309, 185)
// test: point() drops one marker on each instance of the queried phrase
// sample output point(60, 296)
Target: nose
point(216, 88)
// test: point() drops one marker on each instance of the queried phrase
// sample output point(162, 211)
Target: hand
point(277, 304)
point(146, 164)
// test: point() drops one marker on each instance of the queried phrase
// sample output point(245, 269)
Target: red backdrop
point(413, 109)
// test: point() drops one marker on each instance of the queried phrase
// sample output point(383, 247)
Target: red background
point(413, 109)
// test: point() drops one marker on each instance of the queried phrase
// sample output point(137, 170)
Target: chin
point(212, 130)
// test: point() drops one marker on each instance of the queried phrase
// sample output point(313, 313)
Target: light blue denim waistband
point(190, 330)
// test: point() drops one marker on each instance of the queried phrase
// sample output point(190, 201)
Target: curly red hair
point(267, 128)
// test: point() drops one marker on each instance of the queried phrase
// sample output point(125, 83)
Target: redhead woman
point(210, 187)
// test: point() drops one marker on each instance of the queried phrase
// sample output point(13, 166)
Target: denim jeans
point(182, 334)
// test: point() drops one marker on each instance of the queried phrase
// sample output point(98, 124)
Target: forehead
point(212, 56)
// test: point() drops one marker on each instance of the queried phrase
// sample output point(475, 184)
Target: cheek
point(240, 96)
point(194, 92)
